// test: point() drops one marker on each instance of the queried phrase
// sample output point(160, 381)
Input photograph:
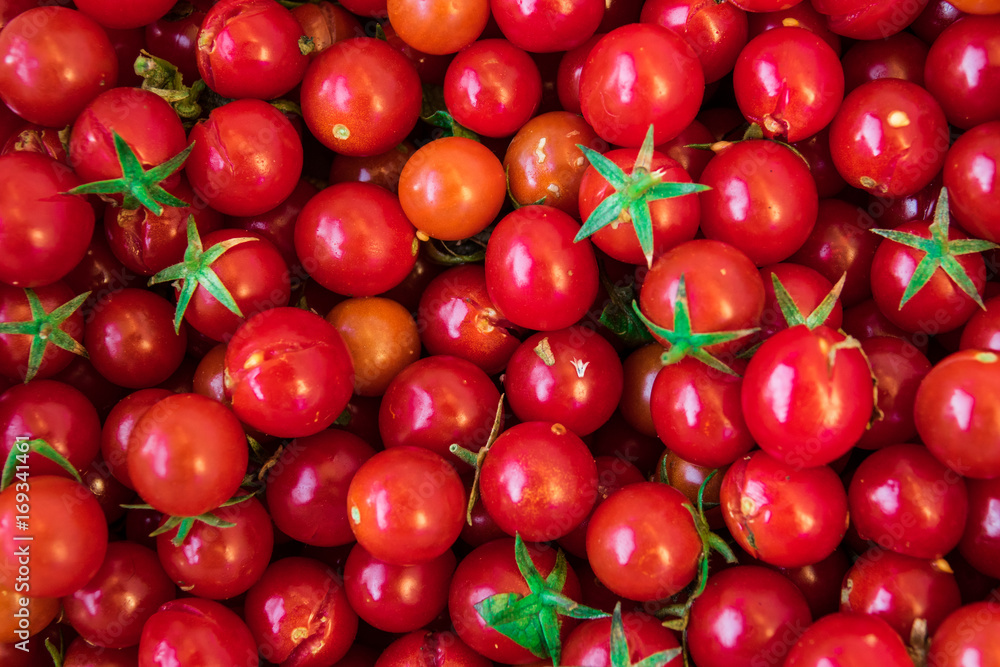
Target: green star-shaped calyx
point(196, 269)
point(633, 193)
point(137, 186)
point(939, 251)
point(44, 328)
point(533, 621)
point(686, 343)
point(619, 647)
point(17, 458)
point(790, 311)
point(184, 524)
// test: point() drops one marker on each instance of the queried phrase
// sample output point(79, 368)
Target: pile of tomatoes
point(462, 332)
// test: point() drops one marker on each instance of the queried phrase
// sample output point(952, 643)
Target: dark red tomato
point(131, 339)
point(397, 598)
point(800, 15)
point(784, 515)
point(681, 148)
point(613, 473)
point(589, 645)
point(697, 414)
point(641, 75)
point(288, 372)
point(128, 44)
point(110, 610)
point(220, 563)
point(415, 646)
point(906, 501)
point(839, 244)
point(568, 74)
point(250, 48)
point(806, 286)
point(642, 542)
point(807, 395)
point(81, 653)
point(147, 243)
point(970, 635)
point(980, 544)
point(255, 275)
point(438, 28)
point(326, 23)
point(790, 82)
point(456, 317)
point(820, 582)
point(889, 137)
point(901, 589)
point(82, 375)
point(263, 158)
point(355, 240)
point(935, 17)
point(716, 31)
point(572, 376)
point(863, 20)
point(745, 613)
point(194, 631)
point(452, 189)
point(724, 289)
point(490, 570)
point(174, 38)
point(430, 67)
point(901, 56)
point(70, 536)
point(382, 169)
point(848, 640)
point(898, 368)
point(492, 87)
point(118, 427)
point(44, 233)
point(16, 348)
point(982, 331)
point(962, 70)
point(171, 469)
point(940, 305)
point(307, 487)
point(56, 413)
point(539, 480)
point(124, 14)
point(535, 273)
point(406, 505)
point(675, 220)
point(763, 200)
point(54, 61)
point(816, 151)
point(278, 224)
point(765, 5)
point(299, 615)
point(957, 412)
point(361, 96)
point(548, 25)
point(973, 181)
point(143, 119)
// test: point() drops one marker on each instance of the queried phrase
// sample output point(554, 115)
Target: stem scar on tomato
point(44, 328)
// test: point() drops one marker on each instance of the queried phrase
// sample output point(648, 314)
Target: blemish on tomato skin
point(558, 429)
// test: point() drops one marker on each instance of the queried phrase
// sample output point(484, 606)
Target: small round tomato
point(436, 27)
point(962, 69)
point(196, 631)
point(15, 352)
point(717, 31)
point(855, 639)
point(970, 635)
point(121, 15)
point(973, 180)
point(590, 642)
point(547, 26)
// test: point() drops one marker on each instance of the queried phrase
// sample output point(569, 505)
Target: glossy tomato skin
point(854, 639)
point(489, 570)
point(801, 408)
point(961, 71)
point(117, 429)
point(579, 385)
point(437, 28)
point(898, 368)
point(45, 233)
point(957, 412)
point(123, 15)
point(354, 239)
point(310, 595)
point(176, 39)
point(131, 338)
point(811, 84)
point(169, 467)
point(589, 645)
point(613, 473)
point(745, 612)
point(391, 497)
point(263, 158)
point(901, 56)
point(973, 189)
point(664, 85)
point(250, 49)
point(969, 635)
point(55, 60)
point(413, 647)
point(763, 200)
point(549, 25)
point(716, 31)
point(360, 97)
point(980, 545)
point(288, 372)
point(642, 542)
point(69, 531)
point(535, 273)
point(784, 515)
point(196, 631)
point(16, 348)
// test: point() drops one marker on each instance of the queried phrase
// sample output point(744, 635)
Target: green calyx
point(161, 77)
point(44, 328)
point(184, 524)
point(686, 343)
point(476, 459)
point(790, 311)
point(434, 111)
point(533, 621)
point(196, 269)
point(137, 186)
point(939, 251)
point(632, 195)
point(16, 465)
point(619, 647)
